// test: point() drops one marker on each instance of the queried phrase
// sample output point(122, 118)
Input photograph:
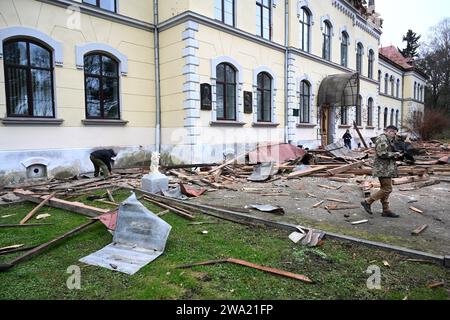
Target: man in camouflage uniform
point(385, 168)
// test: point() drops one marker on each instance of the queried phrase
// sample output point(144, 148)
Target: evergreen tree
point(412, 44)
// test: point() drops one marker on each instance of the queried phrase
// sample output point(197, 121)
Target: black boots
point(389, 214)
point(366, 206)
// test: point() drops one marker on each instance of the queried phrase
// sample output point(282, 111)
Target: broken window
point(28, 79)
point(101, 86)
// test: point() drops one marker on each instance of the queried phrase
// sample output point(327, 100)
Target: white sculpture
point(154, 166)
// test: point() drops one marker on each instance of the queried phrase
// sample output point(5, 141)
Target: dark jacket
point(105, 156)
point(347, 136)
point(384, 165)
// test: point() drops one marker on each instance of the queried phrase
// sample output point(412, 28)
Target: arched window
point(370, 112)
point(398, 88)
point(344, 49)
point(415, 90)
point(225, 92)
point(101, 76)
point(28, 79)
point(359, 54)
point(392, 118)
point(344, 116)
point(326, 47)
point(263, 18)
point(371, 63)
point(264, 96)
point(379, 117)
point(305, 29)
point(386, 80)
point(358, 111)
point(385, 122)
point(379, 77)
point(305, 101)
point(392, 85)
point(397, 118)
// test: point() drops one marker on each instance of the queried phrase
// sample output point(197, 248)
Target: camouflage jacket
point(384, 165)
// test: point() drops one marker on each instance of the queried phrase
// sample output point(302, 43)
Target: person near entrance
point(385, 168)
point(102, 160)
point(347, 139)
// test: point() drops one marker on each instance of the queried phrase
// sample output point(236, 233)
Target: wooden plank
point(40, 205)
point(345, 168)
point(27, 255)
point(419, 230)
point(226, 163)
point(337, 200)
point(359, 134)
point(416, 210)
point(251, 265)
point(359, 222)
point(177, 210)
point(410, 179)
point(306, 172)
point(318, 203)
point(76, 207)
point(25, 225)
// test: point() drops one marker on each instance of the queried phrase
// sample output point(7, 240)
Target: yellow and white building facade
point(196, 80)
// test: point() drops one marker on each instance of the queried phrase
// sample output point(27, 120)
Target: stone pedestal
point(155, 182)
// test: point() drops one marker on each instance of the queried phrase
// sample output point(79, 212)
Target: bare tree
point(435, 61)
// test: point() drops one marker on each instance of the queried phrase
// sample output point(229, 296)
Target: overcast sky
point(401, 15)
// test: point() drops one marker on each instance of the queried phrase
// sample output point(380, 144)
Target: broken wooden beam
point(419, 230)
point(306, 172)
point(25, 225)
point(345, 168)
point(40, 205)
point(251, 265)
point(76, 207)
point(38, 249)
point(177, 210)
point(360, 135)
point(416, 210)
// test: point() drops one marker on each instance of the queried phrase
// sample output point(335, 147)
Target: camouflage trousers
point(383, 194)
point(99, 165)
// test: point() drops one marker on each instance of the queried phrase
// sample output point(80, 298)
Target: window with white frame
point(263, 19)
point(225, 11)
point(370, 112)
point(326, 45)
point(359, 57)
point(28, 79)
point(264, 97)
point(305, 101)
point(225, 92)
point(344, 49)
point(371, 61)
point(110, 5)
point(305, 29)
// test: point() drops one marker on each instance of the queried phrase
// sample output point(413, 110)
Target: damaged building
point(194, 80)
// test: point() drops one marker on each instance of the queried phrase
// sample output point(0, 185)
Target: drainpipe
point(286, 73)
point(157, 84)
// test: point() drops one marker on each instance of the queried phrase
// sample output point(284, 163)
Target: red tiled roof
point(392, 53)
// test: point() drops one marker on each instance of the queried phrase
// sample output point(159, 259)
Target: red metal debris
point(278, 153)
point(191, 191)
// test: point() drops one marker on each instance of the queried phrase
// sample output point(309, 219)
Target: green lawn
point(337, 268)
